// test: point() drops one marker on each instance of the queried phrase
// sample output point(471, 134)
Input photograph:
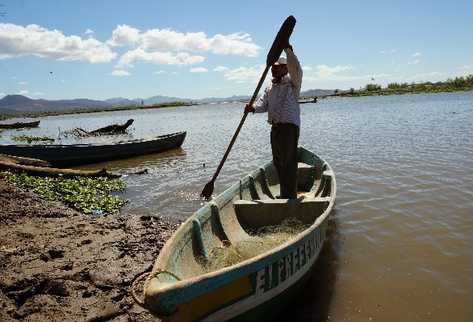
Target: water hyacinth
point(29, 138)
point(88, 195)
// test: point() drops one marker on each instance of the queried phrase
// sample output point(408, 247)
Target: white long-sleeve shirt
point(281, 100)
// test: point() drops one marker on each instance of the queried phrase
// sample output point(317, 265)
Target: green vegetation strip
point(464, 83)
point(30, 138)
point(88, 195)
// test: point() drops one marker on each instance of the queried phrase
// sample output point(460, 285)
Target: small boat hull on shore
point(67, 155)
point(18, 125)
point(181, 289)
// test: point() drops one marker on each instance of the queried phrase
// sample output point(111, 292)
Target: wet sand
point(57, 264)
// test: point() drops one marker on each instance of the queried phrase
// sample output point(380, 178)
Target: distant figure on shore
point(315, 100)
point(281, 101)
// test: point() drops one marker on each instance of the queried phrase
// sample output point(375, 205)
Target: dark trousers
point(284, 140)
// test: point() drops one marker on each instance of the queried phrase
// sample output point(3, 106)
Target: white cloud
point(306, 68)
point(320, 72)
point(198, 70)
point(120, 73)
point(171, 40)
point(23, 92)
point(37, 94)
point(220, 69)
point(22, 83)
point(2, 95)
point(159, 72)
point(324, 71)
point(465, 67)
point(233, 44)
point(16, 40)
point(244, 74)
point(89, 32)
point(414, 62)
point(170, 47)
point(124, 35)
point(424, 77)
point(340, 74)
point(388, 51)
point(163, 58)
point(417, 60)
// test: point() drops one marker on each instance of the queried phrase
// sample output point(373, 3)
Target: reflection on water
point(401, 247)
point(313, 302)
point(148, 161)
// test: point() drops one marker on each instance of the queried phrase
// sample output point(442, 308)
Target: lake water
point(400, 246)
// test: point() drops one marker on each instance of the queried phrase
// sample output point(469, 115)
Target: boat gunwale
point(166, 250)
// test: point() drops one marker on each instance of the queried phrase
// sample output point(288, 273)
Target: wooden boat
point(305, 101)
point(182, 288)
point(19, 125)
point(66, 155)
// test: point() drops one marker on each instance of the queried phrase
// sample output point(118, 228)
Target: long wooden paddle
point(281, 41)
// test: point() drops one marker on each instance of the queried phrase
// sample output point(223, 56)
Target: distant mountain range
point(317, 92)
point(20, 104)
point(17, 104)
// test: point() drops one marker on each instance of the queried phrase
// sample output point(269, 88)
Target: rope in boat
point(147, 275)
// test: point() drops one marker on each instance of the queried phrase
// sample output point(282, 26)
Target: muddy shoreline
point(57, 264)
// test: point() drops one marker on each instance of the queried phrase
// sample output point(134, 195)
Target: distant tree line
point(450, 85)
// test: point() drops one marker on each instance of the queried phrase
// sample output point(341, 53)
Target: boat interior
point(234, 216)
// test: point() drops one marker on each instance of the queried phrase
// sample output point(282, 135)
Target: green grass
point(88, 195)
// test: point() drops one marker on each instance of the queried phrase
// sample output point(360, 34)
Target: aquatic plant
point(88, 195)
point(31, 138)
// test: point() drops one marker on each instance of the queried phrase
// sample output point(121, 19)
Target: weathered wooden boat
point(19, 125)
point(182, 288)
point(305, 101)
point(75, 154)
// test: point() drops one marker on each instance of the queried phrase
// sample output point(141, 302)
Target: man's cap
point(281, 61)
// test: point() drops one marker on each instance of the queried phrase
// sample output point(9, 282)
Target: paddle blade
point(208, 190)
point(281, 40)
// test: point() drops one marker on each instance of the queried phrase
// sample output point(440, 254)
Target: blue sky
point(195, 49)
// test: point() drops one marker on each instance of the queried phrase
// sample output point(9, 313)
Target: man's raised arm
point(294, 69)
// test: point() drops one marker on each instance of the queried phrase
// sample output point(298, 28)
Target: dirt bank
point(57, 264)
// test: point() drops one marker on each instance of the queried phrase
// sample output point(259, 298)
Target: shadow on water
point(148, 160)
point(313, 302)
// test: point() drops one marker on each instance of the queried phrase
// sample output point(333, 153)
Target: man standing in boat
point(281, 101)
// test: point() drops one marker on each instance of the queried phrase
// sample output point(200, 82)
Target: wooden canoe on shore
point(19, 125)
point(185, 286)
point(75, 154)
